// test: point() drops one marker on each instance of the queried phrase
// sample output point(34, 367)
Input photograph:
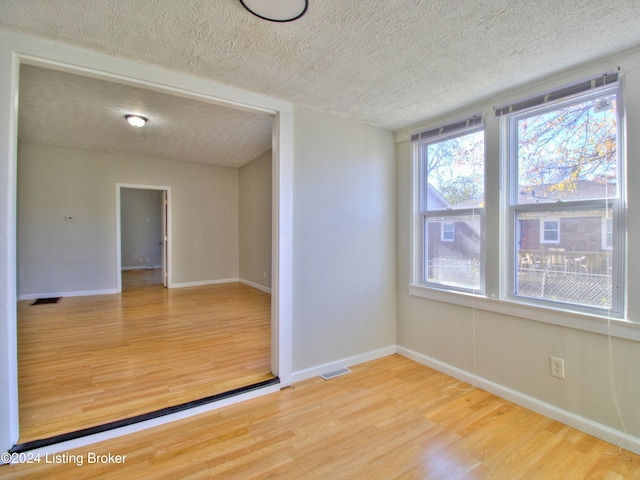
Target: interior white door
point(165, 238)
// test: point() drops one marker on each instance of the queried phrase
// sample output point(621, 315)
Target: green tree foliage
point(562, 147)
point(455, 169)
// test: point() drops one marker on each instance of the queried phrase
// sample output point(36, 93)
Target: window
point(451, 211)
point(448, 232)
point(565, 180)
point(550, 231)
point(556, 208)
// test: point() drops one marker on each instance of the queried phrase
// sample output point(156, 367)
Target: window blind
point(580, 87)
point(458, 126)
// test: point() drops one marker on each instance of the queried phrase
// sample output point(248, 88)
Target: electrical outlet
point(557, 367)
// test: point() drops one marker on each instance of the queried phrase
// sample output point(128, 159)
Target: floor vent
point(335, 373)
point(45, 301)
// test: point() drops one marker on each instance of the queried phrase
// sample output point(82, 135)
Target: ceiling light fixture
point(277, 10)
point(136, 120)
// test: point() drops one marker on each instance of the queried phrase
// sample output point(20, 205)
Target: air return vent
point(335, 373)
point(45, 301)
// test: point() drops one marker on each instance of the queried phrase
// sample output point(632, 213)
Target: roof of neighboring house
point(434, 197)
point(579, 190)
point(435, 200)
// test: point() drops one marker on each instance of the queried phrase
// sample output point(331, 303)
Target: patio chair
point(557, 259)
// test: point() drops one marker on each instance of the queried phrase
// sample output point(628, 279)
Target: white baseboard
point(221, 280)
point(603, 432)
point(33, 296)
point(255, 285)
point(204, 282)
point(83, 293)
point(141, 267)
point(345, 362)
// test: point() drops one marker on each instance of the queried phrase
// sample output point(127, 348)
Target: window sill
point(600, 324)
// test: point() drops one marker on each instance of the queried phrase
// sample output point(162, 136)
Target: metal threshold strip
point(85, 432)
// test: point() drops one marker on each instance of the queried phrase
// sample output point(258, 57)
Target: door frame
point(15, 49)
point(167, 262)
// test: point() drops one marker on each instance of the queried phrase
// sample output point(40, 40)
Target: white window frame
point(421, 214)
point(496, 296)
point(444, 231)
point(543, 229)
point(613, 205)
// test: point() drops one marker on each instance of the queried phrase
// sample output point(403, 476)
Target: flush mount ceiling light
point(136, 120)
point(276, 10)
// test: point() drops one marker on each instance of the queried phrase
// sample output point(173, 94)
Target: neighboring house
point(573, 240)
point(452, 238)
point(577, 240)
point(578, 231)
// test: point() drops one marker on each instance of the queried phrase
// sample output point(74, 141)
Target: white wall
point(55, 256)
point(343, 266)
point(255, 208)
point(512, 353)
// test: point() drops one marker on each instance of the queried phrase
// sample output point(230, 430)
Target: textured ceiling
point(389, 63)
point(57, 108)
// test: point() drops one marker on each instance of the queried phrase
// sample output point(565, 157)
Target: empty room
point(391, 240)
point(144, 279)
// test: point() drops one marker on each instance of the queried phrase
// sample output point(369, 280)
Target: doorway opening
point(270, 351)
point(142, 235)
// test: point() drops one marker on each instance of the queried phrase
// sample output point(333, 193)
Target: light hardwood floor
point(389, 419)
point(91, 360)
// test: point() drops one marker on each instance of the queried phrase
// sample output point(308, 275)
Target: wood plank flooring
point(90, 360)
point(389, 419)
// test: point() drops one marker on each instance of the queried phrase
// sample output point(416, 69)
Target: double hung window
point(565, 200)
point(558, 226)
point(451, 208)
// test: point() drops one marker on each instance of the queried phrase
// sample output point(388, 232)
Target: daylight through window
point(556, 226)
point(452, 205)
point(565, 201)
